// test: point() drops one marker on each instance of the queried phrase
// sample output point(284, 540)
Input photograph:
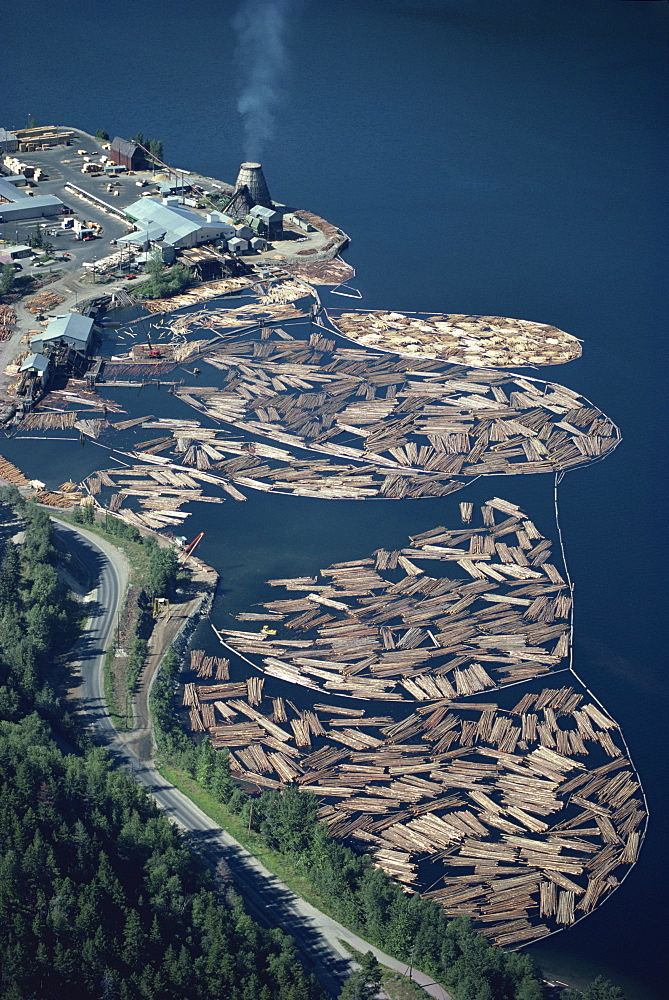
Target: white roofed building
point(182, 228)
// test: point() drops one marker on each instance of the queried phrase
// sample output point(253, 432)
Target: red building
point(126, 154)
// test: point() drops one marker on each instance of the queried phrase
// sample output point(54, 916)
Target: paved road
point(268, 899)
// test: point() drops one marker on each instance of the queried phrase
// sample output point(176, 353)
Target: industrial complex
point(77, 212)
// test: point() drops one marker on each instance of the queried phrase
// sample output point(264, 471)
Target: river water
point(485, 156)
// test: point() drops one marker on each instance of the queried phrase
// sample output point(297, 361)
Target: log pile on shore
point(201, 293)
point(9, 473)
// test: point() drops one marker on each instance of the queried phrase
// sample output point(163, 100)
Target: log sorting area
point(454, 613)
point(523, 817)
point(315, 419)
point(380, 429)
point(480, 341)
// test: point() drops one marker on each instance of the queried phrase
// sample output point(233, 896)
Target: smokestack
point(251, 176)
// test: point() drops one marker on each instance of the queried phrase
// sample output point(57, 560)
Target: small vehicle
point(18, 267)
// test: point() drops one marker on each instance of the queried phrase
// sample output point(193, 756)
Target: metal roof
point(124, 146)
point(177, 222)
point(19, 206)
point(19, 248)
point(146, 234)
point(72, 328)
point(37, 361)
point(266, 214)
point(10, 191)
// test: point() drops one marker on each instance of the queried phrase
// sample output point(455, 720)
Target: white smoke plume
point(260, 26)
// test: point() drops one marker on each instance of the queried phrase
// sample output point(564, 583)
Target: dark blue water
point(485, 156)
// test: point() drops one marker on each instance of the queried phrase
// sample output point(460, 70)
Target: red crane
point(189, 549)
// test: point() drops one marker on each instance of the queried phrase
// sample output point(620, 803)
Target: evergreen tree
point(6, 279)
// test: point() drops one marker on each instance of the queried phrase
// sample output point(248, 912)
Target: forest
point(99, 896)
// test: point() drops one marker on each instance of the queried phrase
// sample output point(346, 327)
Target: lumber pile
point(44, 301)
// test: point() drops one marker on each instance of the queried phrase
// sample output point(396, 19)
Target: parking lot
point(63, 164)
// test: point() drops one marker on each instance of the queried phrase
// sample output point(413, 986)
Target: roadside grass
point(115, 675)
point(135, 551)
point(397, 986)
point(220, 814)
point(113, 701)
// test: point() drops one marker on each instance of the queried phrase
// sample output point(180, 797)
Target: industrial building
point(72, 329)
point(299, 220)
point(16, 252)
point(8, 141)
point(35, 369)
point(142, 238)
point(237, 245)
point(167, 188)
point(180, 226)
point(17, 204)
point(126, 154)
point(271, 221)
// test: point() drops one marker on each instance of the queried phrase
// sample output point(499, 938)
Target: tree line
point(99, 896)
